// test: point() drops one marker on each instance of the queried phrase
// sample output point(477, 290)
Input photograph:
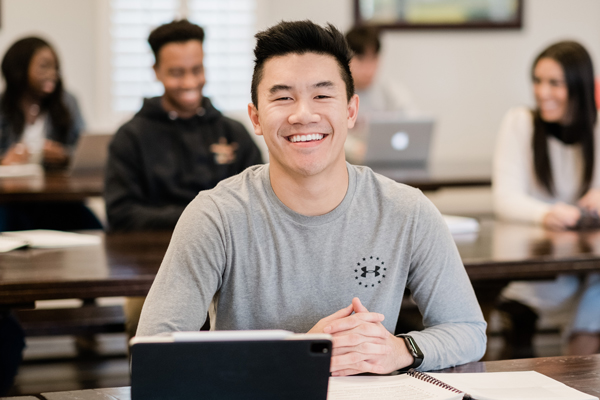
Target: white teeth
point(306, 138)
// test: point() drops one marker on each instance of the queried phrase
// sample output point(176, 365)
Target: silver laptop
point(91, 154)
point(398, 142)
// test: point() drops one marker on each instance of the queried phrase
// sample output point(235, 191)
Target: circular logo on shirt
point(369, 272)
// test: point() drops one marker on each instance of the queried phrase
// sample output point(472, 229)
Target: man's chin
point(187, 107)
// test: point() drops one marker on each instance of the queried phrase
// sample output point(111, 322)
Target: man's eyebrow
point(324, 84)
point(278, 88)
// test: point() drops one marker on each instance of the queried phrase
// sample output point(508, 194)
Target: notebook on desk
point(443, 386)
point(230, 365)
point(394, 142)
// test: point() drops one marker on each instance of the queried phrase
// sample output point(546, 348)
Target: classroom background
point(465, 79)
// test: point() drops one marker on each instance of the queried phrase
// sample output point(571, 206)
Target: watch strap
point(414, 351)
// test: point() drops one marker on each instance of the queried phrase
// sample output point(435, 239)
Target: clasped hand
point(361, 343)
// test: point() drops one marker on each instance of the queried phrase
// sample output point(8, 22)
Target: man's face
point(303, 113)
point(364, 68)
point(180, 69)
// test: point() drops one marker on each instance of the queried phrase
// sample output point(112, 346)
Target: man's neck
point(168, 106)
point(310, 195)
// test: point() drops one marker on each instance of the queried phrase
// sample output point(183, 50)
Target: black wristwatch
point(414, 351)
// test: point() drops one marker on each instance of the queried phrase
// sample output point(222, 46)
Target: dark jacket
point(8, 137)
point(157, 165)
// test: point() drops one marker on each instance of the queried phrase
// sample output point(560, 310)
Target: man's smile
point(313, 137)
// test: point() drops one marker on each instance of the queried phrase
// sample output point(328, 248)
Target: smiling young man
point(310, 243)
point(177, 145)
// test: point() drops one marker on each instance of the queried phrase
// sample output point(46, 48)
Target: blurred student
point(177, 145)
point(375, 94)
point(546, 171)
point(39, 124)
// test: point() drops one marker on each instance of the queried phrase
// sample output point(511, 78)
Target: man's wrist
point(414, 352)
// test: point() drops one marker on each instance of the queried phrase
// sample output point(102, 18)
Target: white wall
point(69, 25)
point(467, 79)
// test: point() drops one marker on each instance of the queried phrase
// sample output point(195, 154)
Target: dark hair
point(176, 31)
point(300, 37)
point(15, 69)
point(577, 67)
point(362, 38)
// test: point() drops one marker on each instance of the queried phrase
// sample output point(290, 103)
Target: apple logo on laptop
point(400, 141)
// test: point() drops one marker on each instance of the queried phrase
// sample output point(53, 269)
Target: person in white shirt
point(40, 123)
point(546, 172)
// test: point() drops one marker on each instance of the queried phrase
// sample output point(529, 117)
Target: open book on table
point(439, 386)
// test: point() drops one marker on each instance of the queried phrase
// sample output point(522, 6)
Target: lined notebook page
point(511, 386)
point(395, 387)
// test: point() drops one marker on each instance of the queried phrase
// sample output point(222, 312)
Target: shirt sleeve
point(126, 208)
point(190, 274)
point(513, 173)
point(454, 325)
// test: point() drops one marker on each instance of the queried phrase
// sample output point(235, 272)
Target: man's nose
point(190, 81)
point(303, 114)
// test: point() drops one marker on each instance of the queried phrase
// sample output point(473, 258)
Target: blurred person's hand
point(562, 216)
point(17, 154)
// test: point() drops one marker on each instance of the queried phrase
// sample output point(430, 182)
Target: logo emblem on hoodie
point(224, 153)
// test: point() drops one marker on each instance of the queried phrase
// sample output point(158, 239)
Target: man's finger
point(344, 312)
point(352, 321)
point(364, 348)
point(355, 339)
point(357, 305)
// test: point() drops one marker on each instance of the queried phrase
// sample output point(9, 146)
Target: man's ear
point(352, 110)
point(253, 114)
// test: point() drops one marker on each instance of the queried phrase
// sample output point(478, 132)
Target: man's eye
point(283, 98)
point(322, 96)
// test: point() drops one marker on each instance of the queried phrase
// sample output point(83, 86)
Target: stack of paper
point(21, 170)
point(45, 239)
point(460, 225)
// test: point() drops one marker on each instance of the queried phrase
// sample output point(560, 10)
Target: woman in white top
point(39, 124)
point(546, 171)
point(39, 121)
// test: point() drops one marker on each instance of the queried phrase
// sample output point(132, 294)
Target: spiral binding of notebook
point(430, 379)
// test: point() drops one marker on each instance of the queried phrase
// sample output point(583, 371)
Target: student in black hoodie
point(177, 144)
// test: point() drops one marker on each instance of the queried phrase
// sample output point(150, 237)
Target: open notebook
point(480, 386)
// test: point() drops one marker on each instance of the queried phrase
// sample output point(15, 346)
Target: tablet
point(230, 365)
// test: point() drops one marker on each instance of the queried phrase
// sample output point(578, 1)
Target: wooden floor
point(52, 364)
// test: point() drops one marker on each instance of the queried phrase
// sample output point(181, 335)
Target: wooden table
point(441, 175)
point(60, 186)
point(579, 372)
point(52, 186)
point(125, 264)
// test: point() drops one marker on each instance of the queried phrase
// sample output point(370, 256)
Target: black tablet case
point(278, 369)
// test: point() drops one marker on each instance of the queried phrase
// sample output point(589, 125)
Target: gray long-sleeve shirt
point(269, 267)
